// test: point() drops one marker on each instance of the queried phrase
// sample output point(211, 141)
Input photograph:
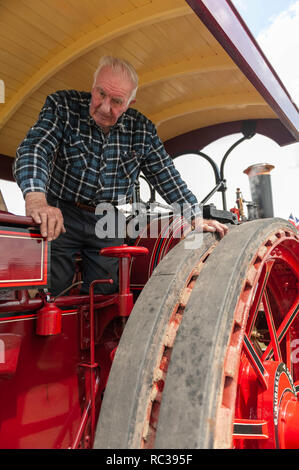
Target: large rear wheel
point(228, 377)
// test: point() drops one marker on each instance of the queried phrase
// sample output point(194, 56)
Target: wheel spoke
point(258, 295)
point(250, 429)
point(283, 328)
point(271, 327)
point(255, 361)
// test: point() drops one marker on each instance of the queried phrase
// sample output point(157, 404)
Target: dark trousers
point(81, 238)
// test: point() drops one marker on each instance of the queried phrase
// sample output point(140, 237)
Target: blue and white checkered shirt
point(66, 155)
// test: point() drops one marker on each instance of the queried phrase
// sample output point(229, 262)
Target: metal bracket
point(210, 212)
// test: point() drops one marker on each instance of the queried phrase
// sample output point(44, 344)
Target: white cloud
point(240, 5)
point(280, 43)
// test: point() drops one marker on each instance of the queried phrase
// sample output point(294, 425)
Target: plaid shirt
point(66, 155)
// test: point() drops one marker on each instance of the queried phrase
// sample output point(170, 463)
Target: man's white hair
point(122, 65)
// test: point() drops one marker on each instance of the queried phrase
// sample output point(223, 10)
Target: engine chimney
point(260, 187)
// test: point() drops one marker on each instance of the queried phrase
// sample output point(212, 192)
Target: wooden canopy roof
point(197, 62)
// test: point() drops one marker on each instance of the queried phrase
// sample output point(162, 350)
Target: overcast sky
point(275, 25)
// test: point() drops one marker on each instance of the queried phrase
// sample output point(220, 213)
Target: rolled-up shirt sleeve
point(34, 156)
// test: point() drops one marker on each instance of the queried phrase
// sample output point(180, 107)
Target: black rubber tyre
point(135, 370)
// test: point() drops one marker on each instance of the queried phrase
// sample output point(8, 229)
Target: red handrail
point(8, 218)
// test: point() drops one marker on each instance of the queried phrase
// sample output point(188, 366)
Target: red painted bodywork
point(55, 357)
point(26, 258)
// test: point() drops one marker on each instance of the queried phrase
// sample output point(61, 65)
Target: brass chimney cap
point(259, 169)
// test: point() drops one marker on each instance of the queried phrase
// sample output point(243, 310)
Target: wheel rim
point(263, 347)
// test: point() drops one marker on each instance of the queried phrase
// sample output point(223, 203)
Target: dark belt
point(89, 208)
point(84, 206)
point(80, 205)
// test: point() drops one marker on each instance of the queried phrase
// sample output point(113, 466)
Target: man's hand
point(50, 218)
point(209, 226)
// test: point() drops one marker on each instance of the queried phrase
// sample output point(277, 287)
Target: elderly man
point(88, 148)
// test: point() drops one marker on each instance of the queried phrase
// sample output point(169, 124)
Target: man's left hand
point(209, 225)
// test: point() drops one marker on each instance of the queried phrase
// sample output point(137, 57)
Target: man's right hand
point(50, 218)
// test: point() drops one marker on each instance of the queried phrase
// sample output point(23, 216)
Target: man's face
point(110, 97)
